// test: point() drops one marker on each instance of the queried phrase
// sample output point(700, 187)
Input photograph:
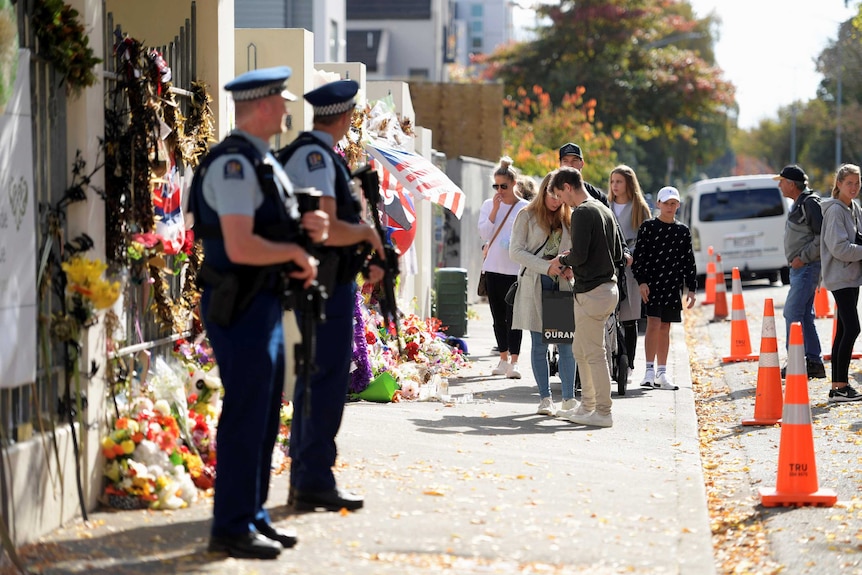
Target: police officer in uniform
point(246, 215)
point(311, 161)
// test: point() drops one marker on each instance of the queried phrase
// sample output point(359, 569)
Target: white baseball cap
point(668, 193)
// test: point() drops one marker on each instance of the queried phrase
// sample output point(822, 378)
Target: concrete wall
point(327, 40)
point(42, 493)
point(156, 22)
point(264, 47)
point(474, 176)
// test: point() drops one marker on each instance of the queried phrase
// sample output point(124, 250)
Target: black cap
point(792, 172)
point(571, 149)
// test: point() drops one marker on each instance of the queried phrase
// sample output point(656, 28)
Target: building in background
point(402, 39)
point(488, 24)
point(324, 18)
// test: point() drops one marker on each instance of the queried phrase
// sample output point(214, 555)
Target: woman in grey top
point(840, 254)
point(631, 210)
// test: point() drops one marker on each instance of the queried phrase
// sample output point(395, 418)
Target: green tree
point(647, 63)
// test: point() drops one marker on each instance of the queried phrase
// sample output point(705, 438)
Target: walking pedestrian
point(496, 218)
point(597, 251)
point(841, 253)
point(311, 161)
point(243, 222)
point(665, 271)
point(540, 234)
point(803, 252)
point(631, 210)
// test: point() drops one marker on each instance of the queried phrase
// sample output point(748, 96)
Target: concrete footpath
point(480, 486)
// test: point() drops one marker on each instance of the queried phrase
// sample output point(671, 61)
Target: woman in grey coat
point(631, 210)
point(840, 256)
point(539, 234)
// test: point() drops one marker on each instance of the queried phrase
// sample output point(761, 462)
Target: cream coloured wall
point(264, 47)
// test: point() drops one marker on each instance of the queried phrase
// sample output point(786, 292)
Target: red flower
point(188, 243)
point(411, 349)
point(370, 338)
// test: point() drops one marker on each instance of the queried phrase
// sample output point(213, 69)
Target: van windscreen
point(741, 204)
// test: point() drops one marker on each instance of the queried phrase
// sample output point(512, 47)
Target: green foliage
point(64, 43)
point(648, 66)
point(534, 129)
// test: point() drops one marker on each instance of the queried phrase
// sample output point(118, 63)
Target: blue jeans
point(799, 306)
point(539, 359)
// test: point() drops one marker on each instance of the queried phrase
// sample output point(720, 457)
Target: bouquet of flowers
point(146, 465)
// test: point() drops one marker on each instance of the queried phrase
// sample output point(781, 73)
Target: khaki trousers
point(592, 310)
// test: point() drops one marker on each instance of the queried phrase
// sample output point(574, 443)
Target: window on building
point(476, 10)
point(420, 73)
point(333, 41)
point(476, 27)
point(476, 43)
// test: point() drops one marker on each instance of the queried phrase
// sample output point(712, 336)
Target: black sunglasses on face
point(500, 186)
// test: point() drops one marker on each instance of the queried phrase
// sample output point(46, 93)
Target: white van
point(742, 218)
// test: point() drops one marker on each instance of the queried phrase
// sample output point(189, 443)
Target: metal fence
point(36, 404)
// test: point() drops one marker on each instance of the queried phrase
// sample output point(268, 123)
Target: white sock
point(661, 370)
point(649, 366)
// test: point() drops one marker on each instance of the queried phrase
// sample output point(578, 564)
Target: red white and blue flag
point(419, 176)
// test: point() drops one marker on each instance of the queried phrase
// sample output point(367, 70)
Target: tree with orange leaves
point(535, 128)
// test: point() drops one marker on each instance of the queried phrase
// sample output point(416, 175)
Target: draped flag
point(419, 176)
point(398, 207)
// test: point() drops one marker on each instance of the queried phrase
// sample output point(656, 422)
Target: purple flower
point(361, 376)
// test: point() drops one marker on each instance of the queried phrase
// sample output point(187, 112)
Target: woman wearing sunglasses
point(496, 218)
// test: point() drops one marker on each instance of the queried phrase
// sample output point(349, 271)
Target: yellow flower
point(128, 446)
point(104, 294)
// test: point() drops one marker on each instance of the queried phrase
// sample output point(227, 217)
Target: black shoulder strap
point(233, 144)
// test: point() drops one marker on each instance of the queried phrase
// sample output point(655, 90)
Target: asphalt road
point(806, 540)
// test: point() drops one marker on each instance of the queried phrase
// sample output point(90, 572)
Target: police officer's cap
point(261, 83)
point(333, 98)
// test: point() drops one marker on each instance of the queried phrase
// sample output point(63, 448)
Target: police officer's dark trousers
point(312, 438)
point(250, 356)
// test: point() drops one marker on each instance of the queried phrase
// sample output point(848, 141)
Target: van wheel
point(785, 275)
point(772, 277)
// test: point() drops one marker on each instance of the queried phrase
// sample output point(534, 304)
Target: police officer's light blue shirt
point(311, 166)
point(231, 187)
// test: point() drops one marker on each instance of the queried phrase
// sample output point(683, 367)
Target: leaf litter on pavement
point(739, 528)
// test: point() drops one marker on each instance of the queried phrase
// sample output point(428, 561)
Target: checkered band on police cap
point(333, 98)
point(261, 83)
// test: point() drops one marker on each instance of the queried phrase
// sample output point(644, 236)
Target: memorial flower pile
point(146, 463)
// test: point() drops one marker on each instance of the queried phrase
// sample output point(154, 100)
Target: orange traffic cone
point(821, 304)
point(828, 356)
point(797, 469)
point(709, 289)
point(740, 342)
point(768, 402)
point(720, 311)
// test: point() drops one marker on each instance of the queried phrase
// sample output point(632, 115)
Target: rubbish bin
point(451, 287)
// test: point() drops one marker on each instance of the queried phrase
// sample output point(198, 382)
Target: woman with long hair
point(540, 234)
point(631, 210)
point(840, 256)
point(496, 218)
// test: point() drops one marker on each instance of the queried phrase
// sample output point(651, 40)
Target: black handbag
point(558, 317)
point(513, 289)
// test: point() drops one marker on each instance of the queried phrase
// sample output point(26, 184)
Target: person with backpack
point(802, 249)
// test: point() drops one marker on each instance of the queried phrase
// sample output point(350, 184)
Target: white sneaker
point(593, 419)
point(569, 404)
point(501, 369)
point(547, 407)
point(512, 371)
point(629, 375)
point(578, 411)
point(649, 379)
point(663, 382)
